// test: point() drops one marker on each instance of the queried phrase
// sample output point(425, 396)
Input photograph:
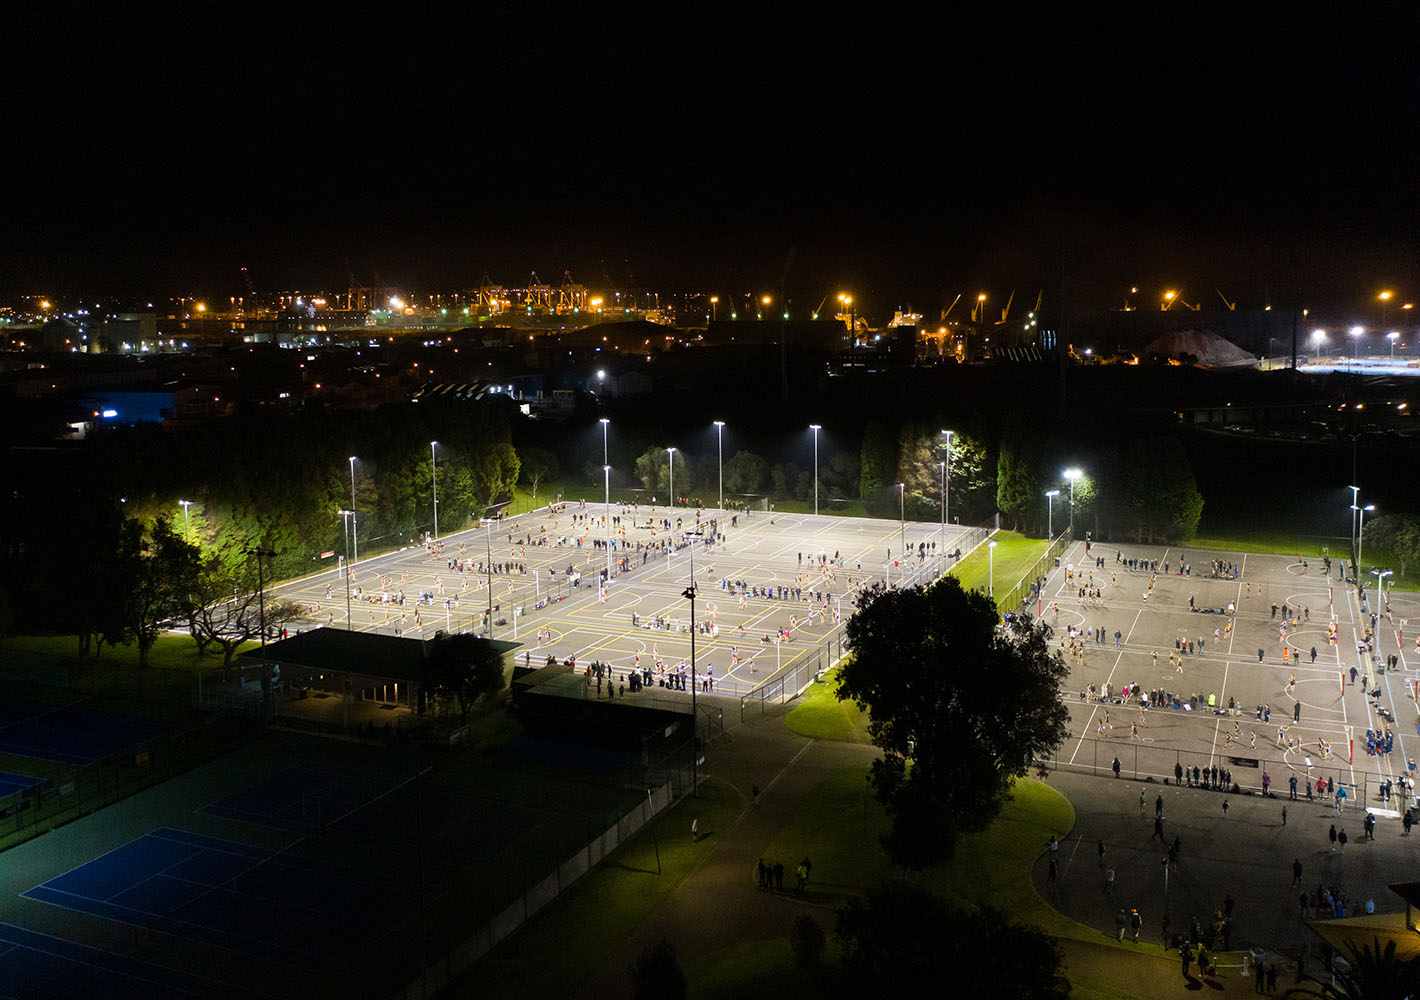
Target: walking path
point(1248, 854)
point(720, 904)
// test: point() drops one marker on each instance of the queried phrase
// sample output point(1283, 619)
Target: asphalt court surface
point(295, 910)
point(763, 550)
point(301, 797)
point(1225, 664)
point(69, 734)
point(36, 965)
point(384, 810)
point(12, 783)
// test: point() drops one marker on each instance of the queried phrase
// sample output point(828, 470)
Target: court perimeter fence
point(1029, 587)
point(674, 780)
point(66, 792)
point(789, 682)
point(462, 903)
point(1141, 760)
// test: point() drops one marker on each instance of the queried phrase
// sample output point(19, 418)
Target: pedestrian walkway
point(719, 906)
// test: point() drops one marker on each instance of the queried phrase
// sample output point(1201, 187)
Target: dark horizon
point(1094, 154)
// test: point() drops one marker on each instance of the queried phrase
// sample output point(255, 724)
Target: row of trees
point(1137, 484)
point(151, 579)
point(1142, 490)
point(1393, 536)
point(85, 529)
point(746, 473)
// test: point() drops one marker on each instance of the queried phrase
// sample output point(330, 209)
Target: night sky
point(1268, 151)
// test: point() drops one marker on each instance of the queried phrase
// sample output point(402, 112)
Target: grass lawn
point(1268, 542)
point(115, 672)
point(562, 947)
point(821, 715)
point(838, 825)
point(1015, 555)
point(837, 508)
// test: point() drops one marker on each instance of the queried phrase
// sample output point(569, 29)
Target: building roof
point(346, 651)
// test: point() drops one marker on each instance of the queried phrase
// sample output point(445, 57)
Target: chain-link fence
point(52, 794)
point(466, 903)
point(1028, 587)
point(787, 683)
point(1142, 760)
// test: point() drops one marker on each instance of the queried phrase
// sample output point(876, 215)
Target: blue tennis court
point(290, 909)
point(12, 783)
point(384, 810)
point(36, 965)
point(445, 819)
point(69, 734)
point(301, 797)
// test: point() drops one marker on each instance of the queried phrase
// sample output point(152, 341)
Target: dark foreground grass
point(173, 661)
point(839, 824)
point(567, 944)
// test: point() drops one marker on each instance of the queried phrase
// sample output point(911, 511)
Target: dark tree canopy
point(959, 706)
point(656, 974)
point(923, 947)
point(460, 668)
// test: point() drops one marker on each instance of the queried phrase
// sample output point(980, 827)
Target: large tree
point(1157, 499)
point(653, 468)
point(157, 576)
point(536, 464)
point(1020, 482)
point(460, 669)
point(879, 459)
point(1393, 536)
point(227, 609)
point(1372, 972)
point(959, 705)
point(906, 936)
point(745, 472)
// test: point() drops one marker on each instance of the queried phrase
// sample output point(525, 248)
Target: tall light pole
point(942, 531)
point(991, 570)
point(902, 518)
point(606, 472)
point(689, 594)
point(354, 533)
point(186, 523)
point(1393, 336)
point(604, 423)
point(1072, 475)
point(1381, 574)
point(1050, 496)
point(1361, 536)
point(1356, 332)
point(1318, 338)
point(671, 474)
point(266, 694)
point(434, 474)
point(815, 428)
point(1355, 499)
point(720, 442)
point(946, 485)
point(346, 515)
